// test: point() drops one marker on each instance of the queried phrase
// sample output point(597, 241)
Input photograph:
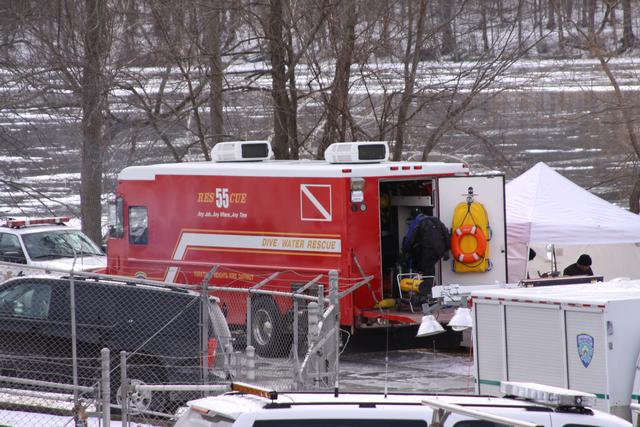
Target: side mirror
point(115, 232)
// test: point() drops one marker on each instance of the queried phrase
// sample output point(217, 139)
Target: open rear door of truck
point(487, 191)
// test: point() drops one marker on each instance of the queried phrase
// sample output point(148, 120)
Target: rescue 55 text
point(222, 198)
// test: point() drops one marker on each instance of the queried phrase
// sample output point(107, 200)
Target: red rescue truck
point(253, 216)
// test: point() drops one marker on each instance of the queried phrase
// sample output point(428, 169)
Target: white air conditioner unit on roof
point(357, 152)
point(241, 151)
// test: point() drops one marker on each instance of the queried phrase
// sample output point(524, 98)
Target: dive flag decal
point(585, 348)
point(315, 202)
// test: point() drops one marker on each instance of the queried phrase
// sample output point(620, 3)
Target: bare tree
point(447, 17)
point(551, 15)
point(415, 39)
point(338, 103)
point(628, 38)
point(595, 42)
point(216, 72)
point(152, 89)
point(281, 101)
point(94, 106)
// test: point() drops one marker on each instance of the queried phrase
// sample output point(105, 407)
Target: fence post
point(74, 338)
point(106, 387)
point(228, 351)
point(248, 337)
point(124, 389)
point(320, 315)
point(334, 299)
point(205, 325)
point(297, 368)
point(312, 333)
point(296, 332)
point(250, 363)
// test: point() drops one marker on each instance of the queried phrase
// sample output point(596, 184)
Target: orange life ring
point(481, 244)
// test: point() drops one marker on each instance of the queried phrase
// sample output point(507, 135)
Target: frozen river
point(409, 370)
point(427, 365)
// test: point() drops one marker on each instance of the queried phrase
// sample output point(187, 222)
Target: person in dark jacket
point(582, 267)
point(427, 241)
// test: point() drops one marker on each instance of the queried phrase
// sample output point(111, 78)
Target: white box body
point(583, 337)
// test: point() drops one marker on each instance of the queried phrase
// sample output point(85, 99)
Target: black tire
point(145, 401)
point(267, 332)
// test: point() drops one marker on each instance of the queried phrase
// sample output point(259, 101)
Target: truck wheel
point(267, 333)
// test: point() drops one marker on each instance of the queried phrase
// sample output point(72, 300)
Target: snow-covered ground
point(32, 419)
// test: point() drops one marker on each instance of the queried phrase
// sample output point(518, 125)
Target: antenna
point(386, 362)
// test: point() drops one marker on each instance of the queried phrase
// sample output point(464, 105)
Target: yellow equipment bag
point(470, 234)
point(410, 285)
point(386, 303)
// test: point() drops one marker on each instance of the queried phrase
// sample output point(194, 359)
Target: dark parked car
point(160, 326)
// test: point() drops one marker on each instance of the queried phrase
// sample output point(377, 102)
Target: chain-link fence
point(68, 343)
point(282, 324)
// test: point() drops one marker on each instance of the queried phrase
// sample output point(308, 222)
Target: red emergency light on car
point(18, 223)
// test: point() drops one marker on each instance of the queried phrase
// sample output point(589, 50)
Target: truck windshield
point(59, 244)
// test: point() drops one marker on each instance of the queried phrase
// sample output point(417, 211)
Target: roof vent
point(241, 151)
point(357, 152)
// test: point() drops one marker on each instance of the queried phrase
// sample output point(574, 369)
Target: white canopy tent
point(543, 207)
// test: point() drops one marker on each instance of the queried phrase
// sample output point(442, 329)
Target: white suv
point(47, 243)
point(528, 405)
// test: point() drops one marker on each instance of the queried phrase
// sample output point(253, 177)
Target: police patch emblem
point(585, 348)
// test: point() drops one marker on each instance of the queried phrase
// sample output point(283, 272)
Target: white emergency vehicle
point(48, 245)
point(582, 336)
point(527, 405)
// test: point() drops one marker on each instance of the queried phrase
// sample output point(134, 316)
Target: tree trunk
point(628, 38)
point(131, 20)
point(500, 8)
point(614, 26)
point(561, 18)
point(292, 112)
point(275, 24)
point(411, 60)
point(338, 106)
point(483, 26)
point(448, 36)
point(519, 18)
point(215, 65)
point(551, 13)
point(568, 9)
point(634, 198)
point(538, 17)
point(591, 14)
point(93, 125)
